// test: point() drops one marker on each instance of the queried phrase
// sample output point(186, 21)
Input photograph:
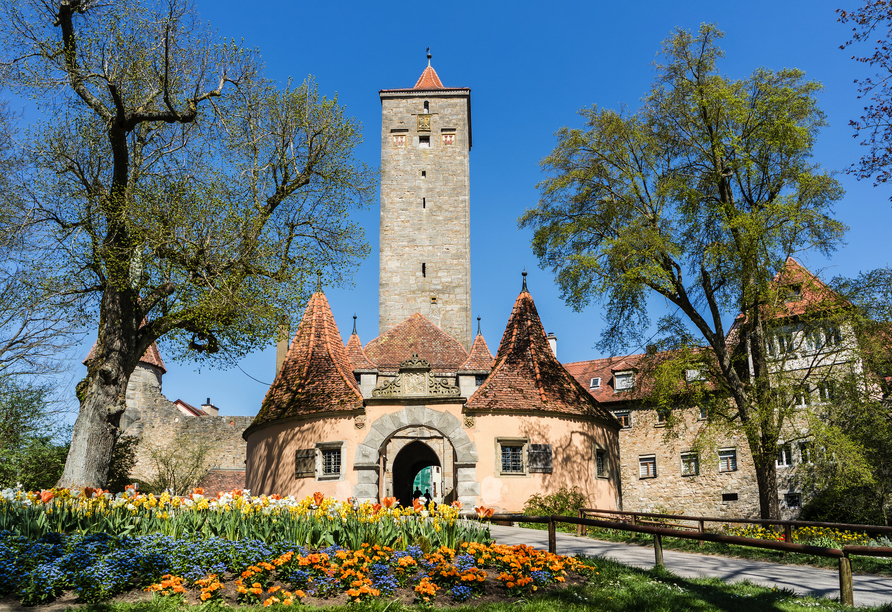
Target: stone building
point(362, 421)
point(666, 469)
point(158, 422)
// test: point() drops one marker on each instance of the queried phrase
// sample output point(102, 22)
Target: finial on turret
point(319, 281)
point(354, 325)
point(478, 326)
point(524, 288)
point(428, 56)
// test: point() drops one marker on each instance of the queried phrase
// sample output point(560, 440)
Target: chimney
point(210, 409)
point(552, 342)
point(282, 345)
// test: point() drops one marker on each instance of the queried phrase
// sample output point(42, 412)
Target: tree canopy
point(178, 193)
point(699, 196)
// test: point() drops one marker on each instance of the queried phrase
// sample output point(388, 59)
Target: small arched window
point(427, 107)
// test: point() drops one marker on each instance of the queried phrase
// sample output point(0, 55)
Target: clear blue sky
point(530, 67)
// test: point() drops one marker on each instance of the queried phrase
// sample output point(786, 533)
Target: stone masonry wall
point(154, 419)
point(425, 218)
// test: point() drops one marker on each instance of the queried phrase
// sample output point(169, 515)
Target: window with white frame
point(647, 466)
point(690, 463)
point(330, 460)
point(703, 414)
point(784, 455)
point(793, 501)
point(826, 390)
point(510, 456)
point(781, 341)
point(623, 381)
point(594, 383)
point(728, 460)
point(694, 375)
point(802, 396)
point(601, 463)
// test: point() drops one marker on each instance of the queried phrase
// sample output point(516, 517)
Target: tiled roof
point(357, 356)
point(316, 375)
point(604, 369)
point(480, 359)
point(416, 335)
point(527, 376)
point(429, 80)
point(152, 356)
point(188, 409)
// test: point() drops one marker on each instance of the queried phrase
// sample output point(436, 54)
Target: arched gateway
point(380, 475)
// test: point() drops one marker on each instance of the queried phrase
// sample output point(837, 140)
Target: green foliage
point(699, 196)
point(564, 502)
point(32, 443)
point(179, 465)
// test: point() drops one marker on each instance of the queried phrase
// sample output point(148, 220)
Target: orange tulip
point(46, 496)
point(198, 491)
point(389, 502)
point(457, 504)
point(376, 507)
point(417, 505)
point(318, 497)
point(88, 492)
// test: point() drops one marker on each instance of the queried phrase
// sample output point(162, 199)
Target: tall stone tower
point(425, 248)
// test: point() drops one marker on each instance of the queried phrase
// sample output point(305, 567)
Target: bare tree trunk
point(103, 400)
point(766, 479)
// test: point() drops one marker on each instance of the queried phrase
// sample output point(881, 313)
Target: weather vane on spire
point(428, 56)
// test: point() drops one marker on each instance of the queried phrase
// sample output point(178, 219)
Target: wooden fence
point(655, 525)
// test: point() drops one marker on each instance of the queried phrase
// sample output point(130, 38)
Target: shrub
point(564, 502)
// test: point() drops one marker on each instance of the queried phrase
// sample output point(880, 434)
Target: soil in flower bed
point(492, 592)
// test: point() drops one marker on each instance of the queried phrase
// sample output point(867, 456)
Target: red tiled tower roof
point(416, 335)
point(356, 355)
point(429, 80)
point(316, 376)
point(152, 356)
point(527, 375)
point(480, 359)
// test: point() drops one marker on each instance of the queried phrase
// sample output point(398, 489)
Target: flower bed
point(98, 567)
point(316, 521)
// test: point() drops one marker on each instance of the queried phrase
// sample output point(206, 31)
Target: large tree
point(178, 193)
point(699, 197)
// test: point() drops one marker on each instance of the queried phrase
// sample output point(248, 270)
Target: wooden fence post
point(788, 536)
point(702, 529)
point(846, 589)
point(658, 549)
point(579, 527)
point(552, 536)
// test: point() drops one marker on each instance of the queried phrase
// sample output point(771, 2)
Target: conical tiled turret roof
point(527, 375)
point(316, 376)
point(480, 359)
point(356, 355)
point(429, 80)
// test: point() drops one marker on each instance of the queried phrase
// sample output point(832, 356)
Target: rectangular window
point(703, 414)
point(802, 397)
point(479, 379)
point(662, 416)
point(690, 464)
point(784, 455)
point(726, 497)
point(695, 375)
point(623, 381)
point(594, 383)
point(331, 462)
point(827, 390)
point(512, 459)
point(624, 417)
point(793, 501)
point(601, 463)
point(647, 466)
point(424, 142)
point(806, 450)
point(728, 460)
point(832, 335)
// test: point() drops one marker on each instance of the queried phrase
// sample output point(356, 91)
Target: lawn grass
point(614, 588)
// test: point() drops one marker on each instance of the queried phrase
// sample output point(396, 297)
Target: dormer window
point(794, 293)
point(594, 383)
point(623, 381)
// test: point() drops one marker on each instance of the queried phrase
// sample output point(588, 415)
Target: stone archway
point(409, 461)
point(367, 462)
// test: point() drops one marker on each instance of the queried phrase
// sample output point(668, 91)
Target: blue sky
point(531, 67)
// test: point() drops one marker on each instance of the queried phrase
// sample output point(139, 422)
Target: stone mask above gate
point(416, 381)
